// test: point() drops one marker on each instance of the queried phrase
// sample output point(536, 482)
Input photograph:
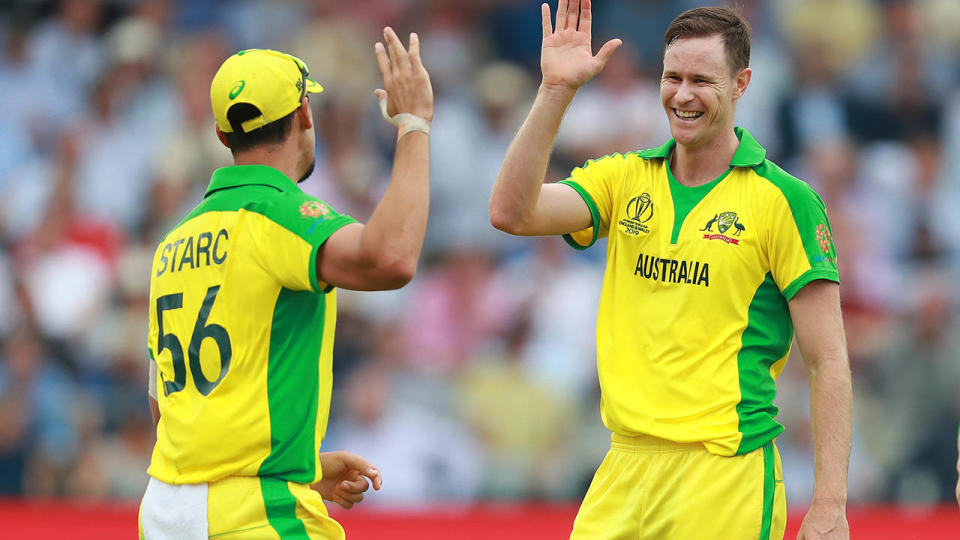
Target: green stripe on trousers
point(281, 508)
point(769, 485)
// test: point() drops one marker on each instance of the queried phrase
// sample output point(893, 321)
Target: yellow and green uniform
point(241, 331)
point(693, 326)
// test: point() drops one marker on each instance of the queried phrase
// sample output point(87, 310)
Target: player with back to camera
point(715, 256)
point(243, 307)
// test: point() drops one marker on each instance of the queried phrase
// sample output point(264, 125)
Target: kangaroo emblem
point(710, 223)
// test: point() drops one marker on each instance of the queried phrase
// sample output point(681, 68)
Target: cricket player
point(243, 308)
point(715, 257)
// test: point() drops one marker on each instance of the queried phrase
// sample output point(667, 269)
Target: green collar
point(748, 154)
point(249, 175)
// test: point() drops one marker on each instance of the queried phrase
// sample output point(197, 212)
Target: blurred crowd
point(478, 380)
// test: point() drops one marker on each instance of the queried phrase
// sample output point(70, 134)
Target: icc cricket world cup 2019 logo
point(639, 211)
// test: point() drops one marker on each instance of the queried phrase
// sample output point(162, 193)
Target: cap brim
point(313, 87)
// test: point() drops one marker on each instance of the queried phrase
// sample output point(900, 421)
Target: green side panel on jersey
point(686, 197)
point(766, 339)
point(769, 488)
point(281, 509)
point(807, 208)
point(293, 379)
point(594, 215)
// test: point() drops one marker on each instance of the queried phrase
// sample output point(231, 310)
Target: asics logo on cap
point(235, 91)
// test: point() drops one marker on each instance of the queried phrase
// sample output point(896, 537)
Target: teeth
point(688, 115)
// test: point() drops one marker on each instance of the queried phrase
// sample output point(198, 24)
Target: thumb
point(605, 52)
point(380, 93)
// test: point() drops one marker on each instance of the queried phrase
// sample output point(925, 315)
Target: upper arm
point(560, 209)
point(580, 206)
point(818, 323)
point(343, 262)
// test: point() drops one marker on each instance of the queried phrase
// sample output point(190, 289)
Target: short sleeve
point(287, 240)
point(800, 244)
point(594, 182)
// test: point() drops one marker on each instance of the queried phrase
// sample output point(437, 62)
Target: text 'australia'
point(673, 271)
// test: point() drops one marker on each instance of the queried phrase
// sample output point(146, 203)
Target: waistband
point(648, 444)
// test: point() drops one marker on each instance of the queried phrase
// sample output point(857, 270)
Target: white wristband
point(405, 121)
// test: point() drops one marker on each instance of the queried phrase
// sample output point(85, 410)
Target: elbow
point(398, 273)
point(503, 221)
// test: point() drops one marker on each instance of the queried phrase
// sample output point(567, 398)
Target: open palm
point(566, 55)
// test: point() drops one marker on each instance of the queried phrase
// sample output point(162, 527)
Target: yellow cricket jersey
point(693, 327)
point(242, 332)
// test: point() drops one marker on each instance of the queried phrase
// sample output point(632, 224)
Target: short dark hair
point(708, 21)
point(273, 133)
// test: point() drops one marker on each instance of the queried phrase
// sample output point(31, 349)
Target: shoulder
point(783, 186)
point(290, 209)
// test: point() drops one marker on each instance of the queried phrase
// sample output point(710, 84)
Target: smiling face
point(698, 90)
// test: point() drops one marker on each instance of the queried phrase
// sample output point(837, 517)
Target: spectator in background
point(430, 458)
point(624, 90)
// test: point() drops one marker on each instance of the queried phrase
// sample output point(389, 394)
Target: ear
point(741, 82)
point(221, 136)
point(305, 114)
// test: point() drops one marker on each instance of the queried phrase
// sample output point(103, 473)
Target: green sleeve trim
point(150, 352)
point(336, 224)
point(810, 275)
point(594, 215)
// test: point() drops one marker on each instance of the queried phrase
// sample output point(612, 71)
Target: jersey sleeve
point(800, 243)
point(287, 241)
point(595, 182)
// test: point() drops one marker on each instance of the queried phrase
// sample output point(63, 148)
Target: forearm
point(394, 234)
point(831, 397)
point(517, 188)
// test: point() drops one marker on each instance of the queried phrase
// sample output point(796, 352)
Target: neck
point(695, 166)
point(282, 157)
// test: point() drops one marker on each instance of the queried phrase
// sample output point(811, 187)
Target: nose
point(684, 93)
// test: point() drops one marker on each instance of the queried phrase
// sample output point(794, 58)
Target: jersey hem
point(594, 215)
point(808, 276)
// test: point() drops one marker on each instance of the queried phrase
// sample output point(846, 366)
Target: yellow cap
point(272, 81)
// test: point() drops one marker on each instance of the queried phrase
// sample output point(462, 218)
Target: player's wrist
point(555, 91)
point(405, 122)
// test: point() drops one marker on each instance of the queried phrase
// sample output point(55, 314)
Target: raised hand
point(407, 83)
point(566, 56)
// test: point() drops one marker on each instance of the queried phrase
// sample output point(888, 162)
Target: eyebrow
point(670, 73)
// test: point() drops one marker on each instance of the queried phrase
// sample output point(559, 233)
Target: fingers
point(562, 15)
point(603, 55)
point(586, 16)
point(415, 50)
point(383, 62)
point(573, 13)
point(354, 486)
point(374, 475)
point(545, 20)
point(363, 467)
point(398, 55)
